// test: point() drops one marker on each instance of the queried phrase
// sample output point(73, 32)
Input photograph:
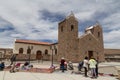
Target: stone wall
point(112, 55)
point(74, 48)
point(26, 57)
point(67, 36)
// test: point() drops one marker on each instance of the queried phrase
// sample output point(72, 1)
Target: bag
point(80, 65)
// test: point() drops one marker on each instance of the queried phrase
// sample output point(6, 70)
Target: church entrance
point(39, 55)
point(90, 54)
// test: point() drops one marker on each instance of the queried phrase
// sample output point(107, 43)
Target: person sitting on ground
point(2, 66)
point(17, 66)
point(70, 65)
point(24, 66)
point(26, 63)
point(27, 66)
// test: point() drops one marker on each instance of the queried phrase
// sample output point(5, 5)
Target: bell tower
point(67, 37)
point(97, 31)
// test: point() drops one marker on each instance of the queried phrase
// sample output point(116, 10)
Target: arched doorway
point(39, 55)
point(46, 52)
point(20, 50)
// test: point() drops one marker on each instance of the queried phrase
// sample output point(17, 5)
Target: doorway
point(90, 54)
point(39, 55)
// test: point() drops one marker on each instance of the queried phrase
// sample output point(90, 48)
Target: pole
point(29, 58)
point(52, 58)
point(29, 51)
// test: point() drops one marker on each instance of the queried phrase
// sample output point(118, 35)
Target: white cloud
point(112, 38)
point(112, 21)
point(26, 18)
point(83, 16)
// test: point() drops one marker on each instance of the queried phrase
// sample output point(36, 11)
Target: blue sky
point(38, 19)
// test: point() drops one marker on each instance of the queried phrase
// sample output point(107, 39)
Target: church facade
point(75, 48)
point(71, 46)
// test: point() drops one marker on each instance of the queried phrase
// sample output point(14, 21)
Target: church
point(70, 45)
point(75, 48)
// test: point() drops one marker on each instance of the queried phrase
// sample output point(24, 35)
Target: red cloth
point(18, 64)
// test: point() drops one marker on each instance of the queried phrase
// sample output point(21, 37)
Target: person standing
point(92, 65)
point(13, 58)
point(85, 65)
point(62, 64)
point(96, 68)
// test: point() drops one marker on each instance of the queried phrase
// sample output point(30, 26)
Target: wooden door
point(39, 55)
point(90, 54)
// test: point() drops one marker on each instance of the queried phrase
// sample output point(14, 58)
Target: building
point(32, 50)
point(112, 55)
point(75, 48)
point(5, 53)
point(71, 46)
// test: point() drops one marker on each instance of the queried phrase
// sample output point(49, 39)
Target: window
point(55, 51)
point(98, 34)
point(46, 52)
point(92, 30)
point(89, 38)
point(28, 50)
point(21, 51)
point(72, 27)
point(61, 28)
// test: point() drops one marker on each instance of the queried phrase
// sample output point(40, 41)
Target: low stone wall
point(35, 70)
point(26, 57)
point(32, 57)
point(42, 70)
point(22, 57)
point(46, 57)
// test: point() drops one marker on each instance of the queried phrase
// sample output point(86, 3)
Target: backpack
point(81, 64)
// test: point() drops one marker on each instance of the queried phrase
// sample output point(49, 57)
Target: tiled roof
point(5, 48)
point(32, 42)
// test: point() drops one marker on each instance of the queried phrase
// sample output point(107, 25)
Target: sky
point(38, 19)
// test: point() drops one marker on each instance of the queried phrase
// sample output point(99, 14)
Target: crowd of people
point(88, 65)
point(15, 66)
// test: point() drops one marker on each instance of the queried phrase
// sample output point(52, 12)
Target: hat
point(62, 58)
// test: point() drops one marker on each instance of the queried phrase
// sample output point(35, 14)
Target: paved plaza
point(56, 75)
